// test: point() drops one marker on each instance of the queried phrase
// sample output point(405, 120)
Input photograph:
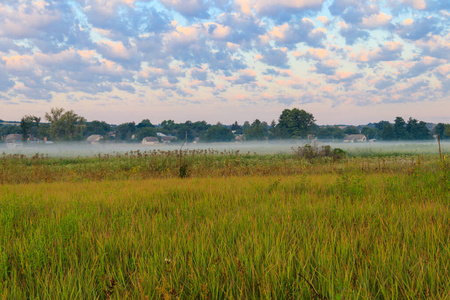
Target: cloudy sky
point(344, 61)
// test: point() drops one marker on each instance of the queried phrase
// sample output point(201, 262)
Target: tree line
point(62, 125)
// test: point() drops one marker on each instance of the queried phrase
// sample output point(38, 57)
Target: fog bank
point(264, 147)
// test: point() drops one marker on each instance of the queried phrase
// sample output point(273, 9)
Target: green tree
point(184, 131)
point(295, 123)
point(144, 123)
point(370, 133)
point(380, 125)
point(168, 125)
point(27, 124)
point(256, 131)
point(273, 130)
point(125, 131)
point(447, 131)
point(145, 132)
point(43, 131)
point(418, 130)
point(400, 129)
point(219, 133)
point(65, 126)
point(443, 130)
point(330, 132)
point(351, 130)
point(97, 127)
point(388, 133)
point(236, 128)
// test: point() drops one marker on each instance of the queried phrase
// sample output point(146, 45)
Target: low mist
point(74, 149)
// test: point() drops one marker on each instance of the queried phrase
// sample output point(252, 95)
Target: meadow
point(218, 224)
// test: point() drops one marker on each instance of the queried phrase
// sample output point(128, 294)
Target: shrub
point(314, 151)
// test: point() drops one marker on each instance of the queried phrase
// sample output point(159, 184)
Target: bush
point(314, 151)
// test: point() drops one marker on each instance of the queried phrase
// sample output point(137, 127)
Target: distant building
point(352, 138)
point(150, 140)
point(13, 141)
point(94, 139)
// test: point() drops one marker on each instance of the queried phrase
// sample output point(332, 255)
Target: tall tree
point(219, 133)
point(443, 130)
point(330, 132)
point(27, 123)
point(256, 131)
point(295, 123)
point(125, 131)
point(65, 126)
point(417, 130)
point(388, 133)
point(144, 123)
point(351, 130)
point(369, 132)
point(145, 132)
point(97, 127)
point(400, 129)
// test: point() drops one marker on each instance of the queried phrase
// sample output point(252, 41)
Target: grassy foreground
point(361, 228)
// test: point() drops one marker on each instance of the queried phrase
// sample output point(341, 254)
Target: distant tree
point(168, 125)
point(145, 132)
point(400, 129)
point(330, 132)
point(295, 123)
point(388, 133)
point(65, 126)
point(272, 130)
point(351, 130)
point(219, 133)
point(27, 123)
point(97, 127)
point(443, 130)
point(447, 131)
point(245, 126)
point(144, 123)
point(199, 128)
point(125, 131)
point(380, 125)
point(235, 126)
point(370, 132)
point(418, 130)
point(10, 129)
point(184, 131)
point(256, 131)
point(43, 131)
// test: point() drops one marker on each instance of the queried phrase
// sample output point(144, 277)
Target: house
point(14, 141)
point(94, 139)
point(150, 140)
point(351, 138)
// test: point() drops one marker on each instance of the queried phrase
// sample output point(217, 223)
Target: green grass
point(360, 228)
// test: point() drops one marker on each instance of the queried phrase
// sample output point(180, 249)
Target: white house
point(351, 138)
point(94, 139)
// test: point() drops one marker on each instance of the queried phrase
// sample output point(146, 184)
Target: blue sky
point(345, 61)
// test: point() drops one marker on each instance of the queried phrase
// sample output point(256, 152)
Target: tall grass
point(356, 229)
point(15, 168)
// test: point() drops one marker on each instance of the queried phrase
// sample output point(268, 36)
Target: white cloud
point(376, 20)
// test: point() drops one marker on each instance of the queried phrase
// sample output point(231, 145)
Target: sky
point(344, 61)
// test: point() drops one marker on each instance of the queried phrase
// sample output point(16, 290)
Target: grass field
point(232, 227)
